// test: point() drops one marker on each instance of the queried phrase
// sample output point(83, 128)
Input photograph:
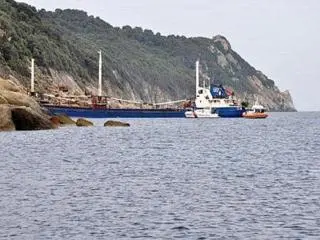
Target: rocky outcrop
point(25, 118)
point(81, 122)
point(10, 85)
point(3, 100)
point(223, 42)
point(111, 123)
point(249, 84)
point(13, 94)
point(18, 111)
point(22, 118)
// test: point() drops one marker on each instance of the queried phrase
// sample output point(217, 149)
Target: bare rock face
point(9, 86)
point(286, 102)
point(226, 46)
point(3, 100)
point(19, 99)
point(81, 122)
point(116, 124)
point(249, 84)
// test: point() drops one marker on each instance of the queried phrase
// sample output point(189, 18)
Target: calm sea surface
point(164, 179)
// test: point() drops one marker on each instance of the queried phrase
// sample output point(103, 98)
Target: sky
point(281, 38)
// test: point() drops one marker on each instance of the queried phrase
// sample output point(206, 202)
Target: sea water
point(164, 179)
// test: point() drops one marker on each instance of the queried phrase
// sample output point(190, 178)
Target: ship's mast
point(197, 76)
point(32, 77)
point(204, 83)
point(100, 74)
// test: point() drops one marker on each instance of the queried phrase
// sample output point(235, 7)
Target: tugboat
point(256, 112)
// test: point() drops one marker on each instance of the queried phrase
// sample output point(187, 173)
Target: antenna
point(32, 76)
point(100, 74)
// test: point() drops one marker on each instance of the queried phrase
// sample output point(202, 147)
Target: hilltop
point(138, 64)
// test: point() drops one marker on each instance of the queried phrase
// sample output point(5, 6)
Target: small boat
point(201, 113)
point(256, 112)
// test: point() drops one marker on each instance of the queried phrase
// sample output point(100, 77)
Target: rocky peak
point(218, 39)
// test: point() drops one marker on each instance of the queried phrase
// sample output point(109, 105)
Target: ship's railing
point(104, 101)
point(99, 102)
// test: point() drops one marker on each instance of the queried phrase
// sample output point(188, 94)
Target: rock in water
point(22, 118)
point(55, 120)
point(116, 124)
point(25, 118)
point(81, 122)
point(64, 119)
point(18, 111)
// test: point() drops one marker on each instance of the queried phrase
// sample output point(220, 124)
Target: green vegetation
point(68, 41)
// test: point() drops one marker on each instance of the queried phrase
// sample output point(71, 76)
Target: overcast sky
point(279, 37)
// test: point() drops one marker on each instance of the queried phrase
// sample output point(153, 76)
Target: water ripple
point(164, 179)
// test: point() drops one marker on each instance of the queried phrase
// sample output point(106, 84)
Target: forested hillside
point(137, 63)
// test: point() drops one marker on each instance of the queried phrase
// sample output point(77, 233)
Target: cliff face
point(250, 84)
point(137, 64)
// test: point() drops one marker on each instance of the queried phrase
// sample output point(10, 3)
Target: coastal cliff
point(137, 64)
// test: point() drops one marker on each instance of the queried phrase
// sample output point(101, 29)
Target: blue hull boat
point(230, 112)
point(114, 112)
point(213, 97)
point(87, 112)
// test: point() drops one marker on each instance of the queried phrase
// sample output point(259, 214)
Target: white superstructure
point(204, 98)
point(201, 113)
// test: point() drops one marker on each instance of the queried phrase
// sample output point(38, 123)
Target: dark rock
point(26, 119)
point(116, 124)
point(81, 122)
point(22, 118)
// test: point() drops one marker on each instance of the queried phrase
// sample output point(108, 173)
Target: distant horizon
point(270, 36)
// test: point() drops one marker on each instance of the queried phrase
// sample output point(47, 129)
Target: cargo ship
point(104, 112)
point(212, 96)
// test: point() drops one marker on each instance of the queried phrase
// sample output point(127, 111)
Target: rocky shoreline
point(20, 112)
